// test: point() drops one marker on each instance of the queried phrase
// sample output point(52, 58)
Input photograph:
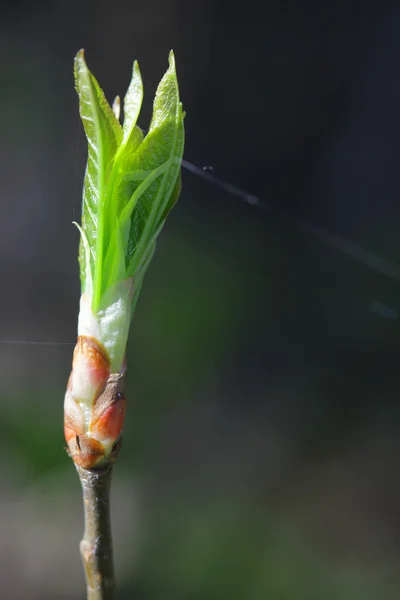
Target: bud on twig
point(131, 184)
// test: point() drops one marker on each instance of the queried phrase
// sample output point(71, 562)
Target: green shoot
point(131, 182)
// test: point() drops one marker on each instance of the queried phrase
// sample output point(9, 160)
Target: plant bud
point(94, 405)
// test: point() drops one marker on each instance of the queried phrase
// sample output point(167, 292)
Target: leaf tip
point(171, 60)
point(79, 64)
point(80, 55)
point(136, 74)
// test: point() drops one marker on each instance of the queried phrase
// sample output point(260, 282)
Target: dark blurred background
point(261, 448)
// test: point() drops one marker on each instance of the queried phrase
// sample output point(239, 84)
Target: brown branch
point(96, 545)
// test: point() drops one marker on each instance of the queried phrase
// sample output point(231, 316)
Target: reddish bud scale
point(94, 406)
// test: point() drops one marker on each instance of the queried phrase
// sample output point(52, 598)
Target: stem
point(96, 545)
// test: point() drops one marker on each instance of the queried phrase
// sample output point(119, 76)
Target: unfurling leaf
point(131, 182)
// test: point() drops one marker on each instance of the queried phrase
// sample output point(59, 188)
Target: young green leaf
point(161, 149)
point(132, 102)
point(104, 134)
point(131, 183)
